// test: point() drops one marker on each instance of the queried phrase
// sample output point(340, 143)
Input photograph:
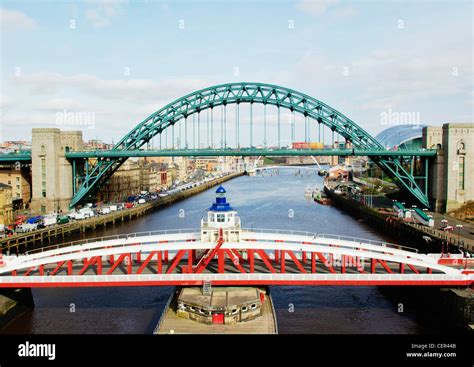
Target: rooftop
point(396, 136)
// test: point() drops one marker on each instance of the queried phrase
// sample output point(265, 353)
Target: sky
point(112, 63)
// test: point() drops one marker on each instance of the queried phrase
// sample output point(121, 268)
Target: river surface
point(272, 201)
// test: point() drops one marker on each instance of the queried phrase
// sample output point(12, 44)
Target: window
point(18, 187)
point(17, 179)
point(43, 209)
point(221, 218)
point(461, 173)
point(43, 177)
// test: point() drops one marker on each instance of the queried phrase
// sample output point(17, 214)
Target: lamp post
point(459, 226)
point(445, 224)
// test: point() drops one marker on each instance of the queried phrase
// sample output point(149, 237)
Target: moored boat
point(320, 197)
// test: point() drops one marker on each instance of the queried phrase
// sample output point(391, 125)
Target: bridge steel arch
point(236, 93)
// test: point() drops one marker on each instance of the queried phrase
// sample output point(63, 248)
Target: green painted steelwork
point(15, 157)
point(236, 93)
point(247, 153)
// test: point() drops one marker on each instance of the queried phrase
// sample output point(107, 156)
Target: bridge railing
point(315, 236)
point(368, 241)
point(138, 235)
point(124, 236)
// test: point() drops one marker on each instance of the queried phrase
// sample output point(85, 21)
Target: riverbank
point(424, 238)
point(21, 243)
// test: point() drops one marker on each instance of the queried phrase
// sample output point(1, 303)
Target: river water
point(272, 201)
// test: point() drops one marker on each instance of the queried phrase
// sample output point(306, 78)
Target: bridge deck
point(173, 259)
point(229, 268)
point(117, 153)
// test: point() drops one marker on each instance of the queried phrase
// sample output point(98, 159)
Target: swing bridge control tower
point(221, 309)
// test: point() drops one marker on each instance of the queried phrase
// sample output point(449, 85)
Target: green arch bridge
point(192, 135)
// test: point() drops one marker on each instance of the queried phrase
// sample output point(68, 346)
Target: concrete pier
point(172, 323)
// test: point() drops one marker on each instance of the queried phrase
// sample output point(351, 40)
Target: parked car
point(34, 220)
point(84, 213)
point(27, 227)
point(105, 210)
point(20, 219)
point(49, 220)
point(72, 215)
point(141, 201)
point(63, 219)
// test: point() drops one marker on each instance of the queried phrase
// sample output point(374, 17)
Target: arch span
point(245, 92)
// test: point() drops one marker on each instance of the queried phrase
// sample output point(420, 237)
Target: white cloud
point(118, 105)
point(103, 12)
point(5, 101)
point(56, 104)
point(148, 109)
point(15, 20)
point(124, 89)
point(344, 12)
point(389, 77)
point(316, 7)
point(96, 19)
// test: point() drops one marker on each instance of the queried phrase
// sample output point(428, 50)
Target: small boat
point(320, 197)
point(308, 192)
point(322, 172)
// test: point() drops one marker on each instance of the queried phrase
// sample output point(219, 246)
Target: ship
point(320, 197)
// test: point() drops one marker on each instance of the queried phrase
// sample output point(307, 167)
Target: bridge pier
point(451, 180)
point(51, 172)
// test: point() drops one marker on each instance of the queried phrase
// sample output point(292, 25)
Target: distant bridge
point(181, 132)
point(26, 157)
point(208, 152)
point(261, 257)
